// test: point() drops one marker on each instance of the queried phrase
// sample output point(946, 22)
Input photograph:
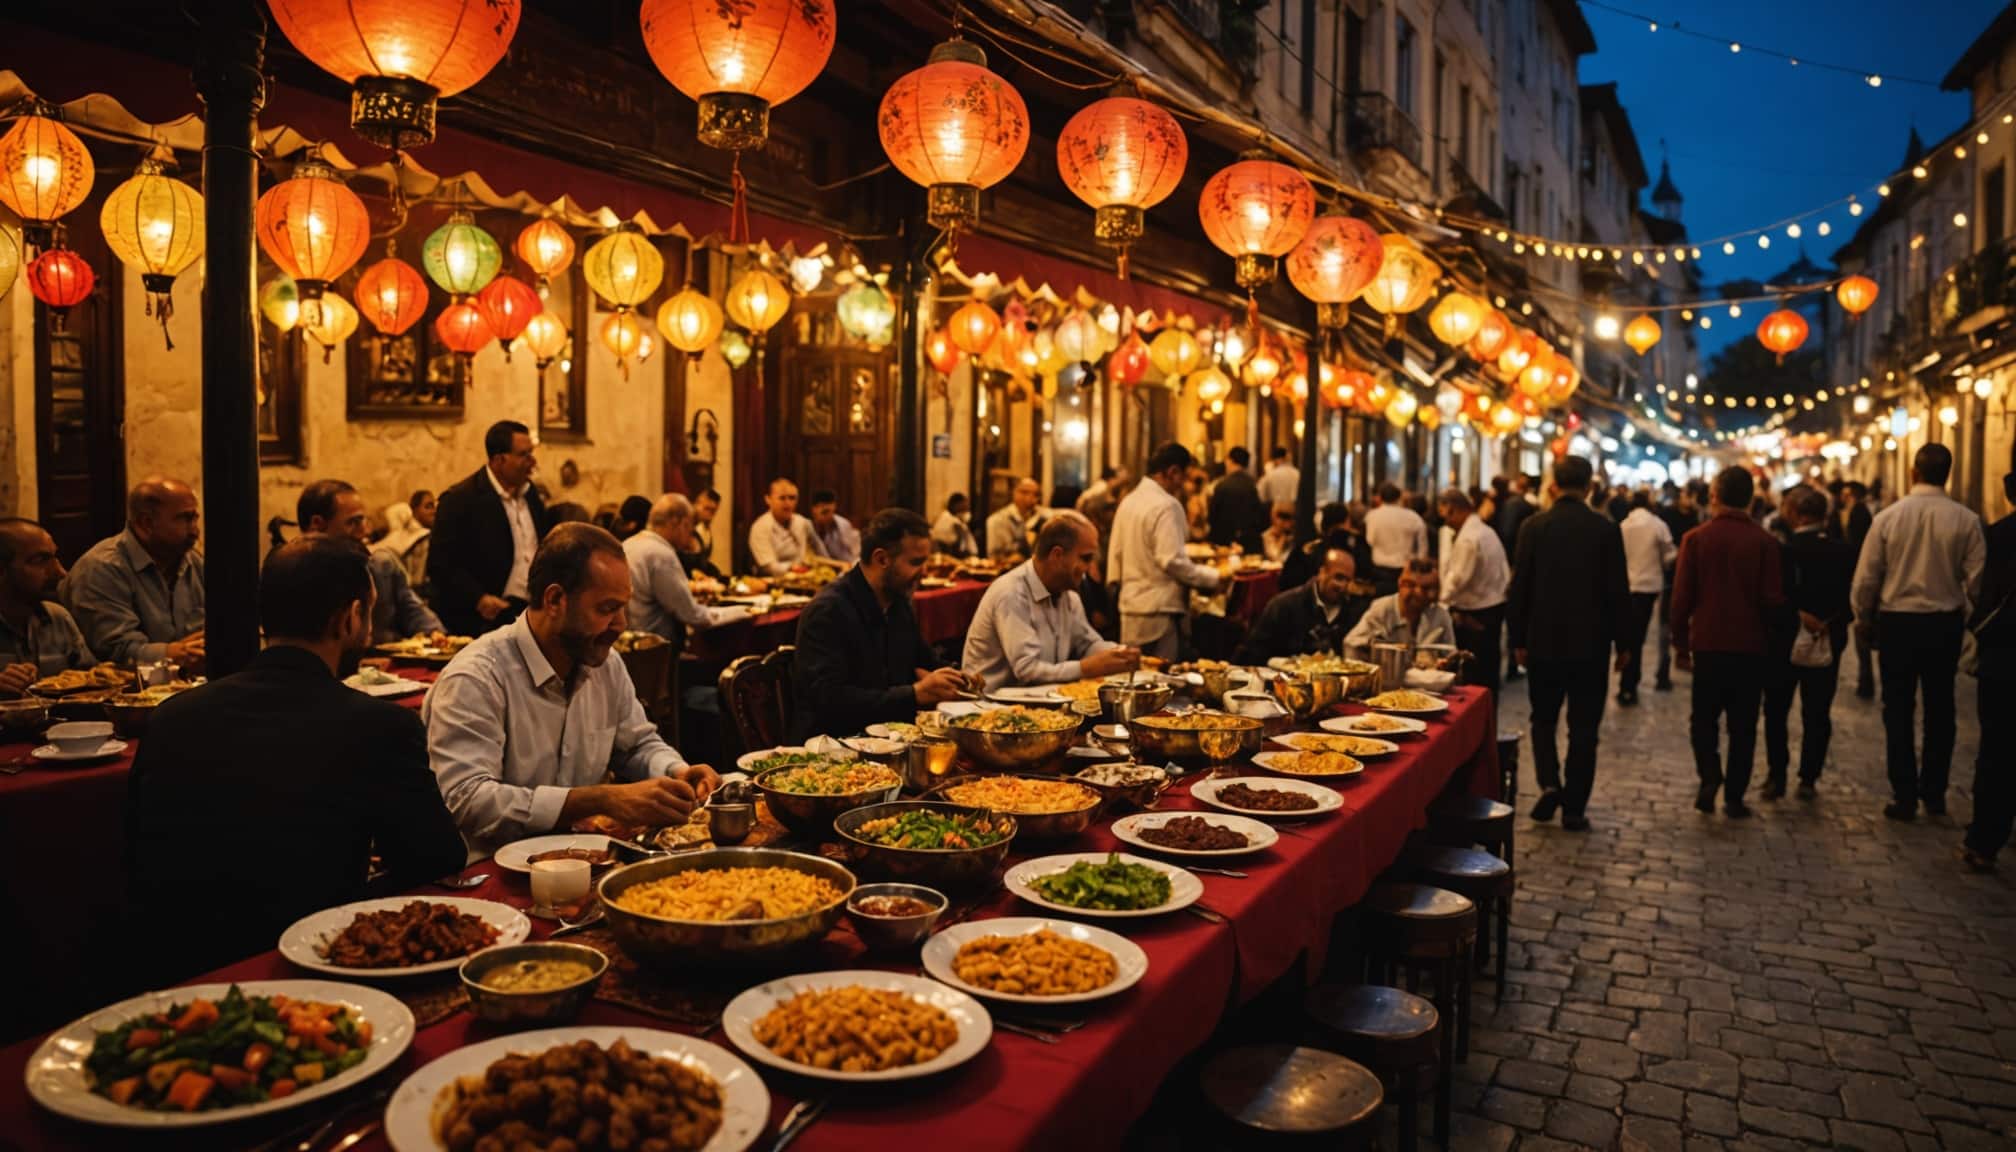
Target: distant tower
point(1914, 148)
point(1666, 199)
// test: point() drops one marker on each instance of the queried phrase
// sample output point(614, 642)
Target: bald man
point(661, 600)
point(1010, 530)
point(138, 596)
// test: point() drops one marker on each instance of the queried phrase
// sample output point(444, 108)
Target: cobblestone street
point(1817, 976)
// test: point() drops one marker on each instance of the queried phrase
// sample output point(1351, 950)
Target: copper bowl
point(811, 814)
point(1035, 825)
point(1308, 694)
point(129, 713)
point(1236, 736)
point(1017, 751)
point(933, 867)
point(675, 946)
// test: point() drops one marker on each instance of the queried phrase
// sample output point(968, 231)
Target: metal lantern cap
point(393, 111)
point(734, 121)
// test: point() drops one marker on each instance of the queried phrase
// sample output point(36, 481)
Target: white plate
point(1276, 761)
point(745, 1102)
point(1184, 887)
point(50, 754)
point(56, 1078)
point(901, 733)
point(397, 686)
point(1028, 694)
point(1128, 958)
point(1349, 725)
point(303, 938)
point(1326, 799)
point(1259, 837)
point(957, 708)
point(1440, 706)
point(516, 856)
point(746, 762)
point(1313, 742)
point(975, 1026)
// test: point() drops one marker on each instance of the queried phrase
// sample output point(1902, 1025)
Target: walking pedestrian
point(1682, 515)
point(1995, 672)
point(1811, 635)
point(1567, 610)
point(1725, 583)
point(1919, 571)
point(1648, 555)
point(1852, 517)
point(1396, 534)
point(1475, 579)
point(1514, 509)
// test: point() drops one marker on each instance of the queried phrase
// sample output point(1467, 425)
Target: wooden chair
point(756, 698)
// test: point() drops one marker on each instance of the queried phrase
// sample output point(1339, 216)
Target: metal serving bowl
point(894, 933)
point(1216, 745)
point(550, 1006)
point(1036, 825)
point(811, 815)
point(24, 717)
point(938, 867)
point(1306, 694)
point(675, 945)
point(1120, 702)
point(1017, 751)
point(1139, 795)
point(129, 713)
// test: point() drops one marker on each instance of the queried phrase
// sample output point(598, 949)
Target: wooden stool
point(1508, 765)
point(1462, 821)
point(1417, 929)
point(1286, 1093)
point(1392, 1033)
point(1488, 882)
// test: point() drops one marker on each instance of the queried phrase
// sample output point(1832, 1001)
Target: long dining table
point(942, 615)
point(1084, 1089)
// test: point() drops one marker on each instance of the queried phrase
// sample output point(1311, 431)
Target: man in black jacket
point(1313, 618)
point(1569, 609)
point(1237, 515)
point(1850, 522)
point(260, 797)
point(1817, 567)
point(1994, 626)
point(860, 657)
point(485, 533)
point(1513, 512)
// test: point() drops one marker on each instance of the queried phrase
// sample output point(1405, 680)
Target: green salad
point(1112, 886)
point(831, 778)
point(922, 828)
point(210, 1054)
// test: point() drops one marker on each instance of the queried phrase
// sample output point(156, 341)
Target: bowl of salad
point(1016, 738)
point(807, 794)
point(926, 842)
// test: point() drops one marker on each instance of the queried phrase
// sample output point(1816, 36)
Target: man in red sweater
point(1726, 581)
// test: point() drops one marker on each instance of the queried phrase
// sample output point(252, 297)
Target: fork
point(1041, 1037)
point(464, 883)
point(569, 927)
point(800, 1117)
point(1232, 872)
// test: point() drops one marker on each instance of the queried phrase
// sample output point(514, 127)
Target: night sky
point(1752, 139)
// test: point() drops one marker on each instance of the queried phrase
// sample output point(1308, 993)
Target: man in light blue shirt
point(835, 535)
point(1030, 627)
point(661, 600)
point(524, 723)
point(139, 595)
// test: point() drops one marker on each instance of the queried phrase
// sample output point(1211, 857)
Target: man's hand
point(653, 803)
point(1519, 655)
point(701, 778)
point(488, 606)
point(188, 650)
point(1683, 660)
point(1811, 622)
point(1108, 661)
point(936, 687)
point(15, 678)
point(1865, 631)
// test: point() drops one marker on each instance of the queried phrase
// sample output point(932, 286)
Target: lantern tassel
point(1120, 263)
point(161, 306)
point(738, 215)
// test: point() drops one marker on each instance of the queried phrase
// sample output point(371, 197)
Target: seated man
point(37, 636)
point(780, 539)
point(1030, 627)
point(660, 599)
point(241, 774)
point(1313, 618)
point(1334, 530)
point(860, 657)
point(138, 596)
point(1410, 616)
point(524, 723)
point(334, 507)
point(835, 536)
point(699, 560)
point(952, 535)
point(1009, 530)
point(1279, 538)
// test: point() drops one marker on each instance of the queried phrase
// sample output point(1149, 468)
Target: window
point(1994, 208)
point(1286, 30)
point(1307, 46)
point(1354, 52)
point(1516, 33)
point(1463, 153)
point(1403, 65)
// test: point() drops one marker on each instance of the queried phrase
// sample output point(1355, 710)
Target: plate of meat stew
point(1267, 797)
point(400, 935)
point(1194, 833)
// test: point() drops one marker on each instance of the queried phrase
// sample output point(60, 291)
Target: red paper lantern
point(1128, 365)
point(738, 60)
point(1856, 294)
point(1492, 337)
point(312, 226)
point(1333, 264)
point(399, 56)
point(955, 128)
point(1255, 211)
point(61, 279)
point(391, 294)
point(1782, 331)
point(1121, 155)
point(507, 305)
point(462, 328)
point(941, 352)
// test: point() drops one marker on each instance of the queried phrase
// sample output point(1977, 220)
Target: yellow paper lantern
point(624, 268)
point(10, 258)
point(1213, 385)
point(1262, 367)
point(690, 321)
point(545, 336)
point(328, 320)
point(1401, 408)
point(1504, 418)
point(1077, 337)
point(758, 301)
point(1174, 352)
point(1406, 277)
point(1457, 317)
point(154, 224)
point(280, 303)
point(623, 335)
point(1642, 333)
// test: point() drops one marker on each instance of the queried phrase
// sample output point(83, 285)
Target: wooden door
point(80, 406)
point(835, 415)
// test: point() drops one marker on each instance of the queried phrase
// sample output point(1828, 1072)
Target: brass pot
point(674, 946)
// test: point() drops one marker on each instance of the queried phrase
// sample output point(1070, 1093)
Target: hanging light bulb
point(312, 226)
point(461, 257)
point(280, 303)
point(390, 294)
point(508, 304)
point(154, 224)
point(956, 128)
point(1255, 211)
point(866, 313)
point(690, 321)
point(624, 268)
point(545, 336)
point(1121, 155)
point(328, 320)
point(547, 249)
point(45, 171)
point(739, 60)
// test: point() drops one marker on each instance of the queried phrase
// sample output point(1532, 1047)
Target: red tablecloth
point(1082, 1092)
point(942, 615)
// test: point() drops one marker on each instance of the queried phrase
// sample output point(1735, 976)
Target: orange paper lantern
point(1782, 331)
point(1519, 352)
point(312, 226)
point(1538, 375)
point(399, 56)
point(973, 327)
point(546, 248)
point(941, 352)
point(507, 304)
point(45, 171)
point(1642, 333)
point(1336, 259)
point(1856, 294)
point(1256, 210)
point(61, 279)
point(462, 328)
point(1457, 318)
point(1494, 332)
point(1122, 156)
point(623, 335)
point(391, 294)
point(955, 128)
point(738, 60)
point(545, 336)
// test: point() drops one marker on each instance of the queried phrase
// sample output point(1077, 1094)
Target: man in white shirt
point(661, 600)
point(780, 539)
point(1030, 627)
point(1649, 551)
point(524, 723)
point(951, 534)
point(1396, 535)
point(1475, 578)
point(1009, 529)
point(1918, 576)
point(1410, 616)
point(1283, 480)
point(1147, 560)
point(833, 535)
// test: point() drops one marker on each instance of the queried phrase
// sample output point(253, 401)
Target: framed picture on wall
point(411, 376)
point(563, 384)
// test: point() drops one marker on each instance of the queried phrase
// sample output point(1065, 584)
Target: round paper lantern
point(757, 301)
point(1401, 408)
point(391, 295)
point(623, 335)
point(941, 352)
point(1213, 385)
point(1855, 294)
point(312, 226)
point(955, 128)
point(1374, 397)
point(61, 279)
point(1505, 419)
point(866, 313)
point(1642, 333)
point(1076, 337)
point(1524, 405)
point(508, 305)
point(1782, 331)
point(1449, 402)
point(460, 256)
point(1494, 332)
point(399, 56)
point(1457, 318)
point(154, 224)
point(547, 249)
point(545, 336)
point(1562, 384)
point(1333, 264)
point(1519, 352)
point(1121, 155)
point(328, 320)
point(973, 327)
point(45, 171)
point(623, 268)
point(1128, 365)
point(1256, 210)
point(690, 321)
point(280, 303)
point(738, 60)
point(1263, 366)
point(735, 348)
point(1016, 333)
point(10, 259)
point(1405, 281)
point(1174, 352)
point(462, 328)
point(1538, 375)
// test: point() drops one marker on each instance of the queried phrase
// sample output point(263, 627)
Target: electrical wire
point(1873, 77)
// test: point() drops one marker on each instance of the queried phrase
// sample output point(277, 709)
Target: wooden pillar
point(907, 486)
point(229, 81)
point(1312, 430)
